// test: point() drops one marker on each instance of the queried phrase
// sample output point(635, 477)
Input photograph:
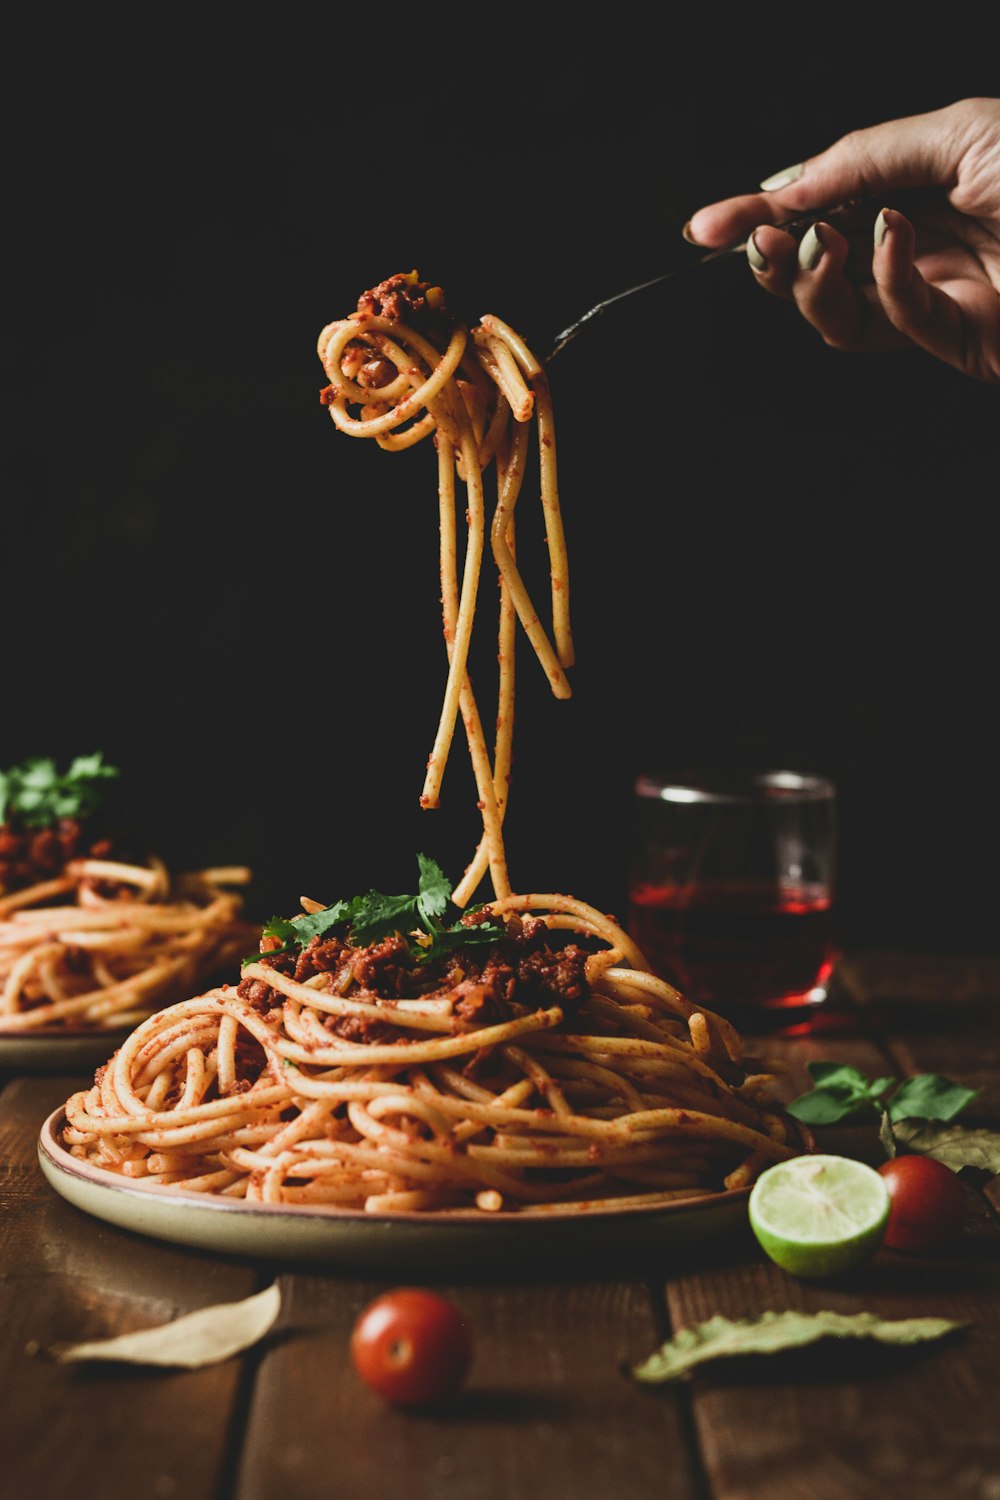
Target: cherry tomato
point(412, 1347)
point(927, 1205)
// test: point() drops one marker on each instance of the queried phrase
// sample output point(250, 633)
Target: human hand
point(929, 278)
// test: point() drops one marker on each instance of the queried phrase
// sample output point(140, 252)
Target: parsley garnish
point(366, 919)
point(36, 795)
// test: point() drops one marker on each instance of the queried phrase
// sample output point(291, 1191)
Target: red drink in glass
point(737, 943)
point(732, 890)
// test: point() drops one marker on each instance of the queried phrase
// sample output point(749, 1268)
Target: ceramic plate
point(350, 1238)
point(58, 1051)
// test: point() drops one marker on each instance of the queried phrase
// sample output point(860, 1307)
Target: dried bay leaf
point(205, 1337)
point(956, 1146)
point(771, 1332)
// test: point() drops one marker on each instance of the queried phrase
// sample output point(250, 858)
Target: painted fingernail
point(881, 225)
point(811, 248)
point(783, 178)
point(686, 232)
point(758, 262)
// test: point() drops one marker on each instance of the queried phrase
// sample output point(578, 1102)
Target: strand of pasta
point(94, 963)
point(574, 1113)
point(428, 380)
point(510, 473)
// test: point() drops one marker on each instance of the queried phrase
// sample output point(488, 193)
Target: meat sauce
point(403, 298)
point(31, 855)
point(487, 984)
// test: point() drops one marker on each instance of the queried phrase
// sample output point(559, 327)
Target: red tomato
point(927, 1203)
point(412, 1347)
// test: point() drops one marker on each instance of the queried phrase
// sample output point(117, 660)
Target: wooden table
point(548, 1409)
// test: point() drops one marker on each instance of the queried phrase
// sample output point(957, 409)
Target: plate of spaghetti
point(92, 942)
point(430, 1068)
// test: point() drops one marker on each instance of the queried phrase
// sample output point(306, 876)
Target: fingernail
point(686, 232)
point(881, 225)
point(783, 178)
point(758, 262)
point(811, 248)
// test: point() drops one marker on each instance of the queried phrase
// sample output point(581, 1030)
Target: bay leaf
point(957, 1146)
point(205, 1337)
point(771, 1332)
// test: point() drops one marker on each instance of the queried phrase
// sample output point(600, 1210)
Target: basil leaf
point(840, 1090)
point(827, 1105)
point(928, 1096)
point(837, 1075)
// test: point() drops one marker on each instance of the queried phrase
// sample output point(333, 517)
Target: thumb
point(918, 151)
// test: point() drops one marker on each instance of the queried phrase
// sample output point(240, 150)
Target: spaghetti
point(479, 398)
point(102, 943)
point(416, 1067)
point(616, 1090)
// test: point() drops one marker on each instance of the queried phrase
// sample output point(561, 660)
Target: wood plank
point(855, 1421)
point(546, 1407)
point(108, 1430)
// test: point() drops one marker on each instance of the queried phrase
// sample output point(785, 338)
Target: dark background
point(780, 555)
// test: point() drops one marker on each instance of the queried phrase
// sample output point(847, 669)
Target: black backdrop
point(780, 555)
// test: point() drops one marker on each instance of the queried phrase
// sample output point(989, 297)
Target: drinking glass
point(732, 890)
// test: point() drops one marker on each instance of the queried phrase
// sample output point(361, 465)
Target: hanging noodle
point(479, 400)
point(549, 1070)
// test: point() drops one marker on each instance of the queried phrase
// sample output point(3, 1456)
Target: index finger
point(733, 219)
point(917, 151)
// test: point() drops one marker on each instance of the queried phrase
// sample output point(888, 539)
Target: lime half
point(819, 1215)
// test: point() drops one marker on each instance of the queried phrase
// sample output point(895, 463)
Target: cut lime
point(819, 1215)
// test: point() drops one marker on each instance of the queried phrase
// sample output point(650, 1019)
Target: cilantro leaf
point(447, 939)
point(434, 889)
point(374, 915)
point(36, 794)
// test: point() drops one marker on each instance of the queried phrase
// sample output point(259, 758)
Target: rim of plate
point(64, 1033)
point(65, 1162)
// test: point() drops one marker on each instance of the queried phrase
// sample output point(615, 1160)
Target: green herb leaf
point(928, 1096)
point(435, 888)
point(837, 1075)
point(840, 1091)
point(771, 1332)
point(447, 939)
point(957, 1146)
point(375, 916)
point(825, 1106)
point(37, 795)
point(370, 917)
